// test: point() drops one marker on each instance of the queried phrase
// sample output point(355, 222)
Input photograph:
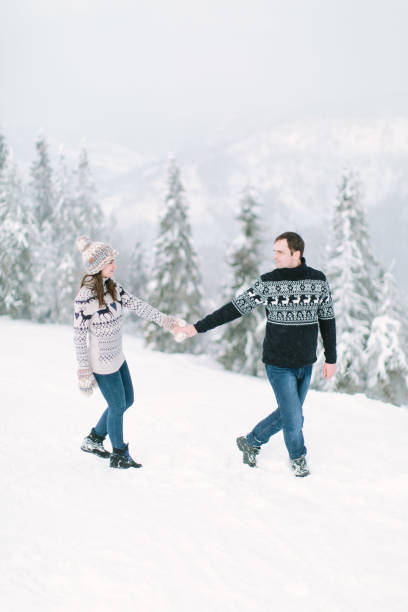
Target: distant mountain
point(295, 167)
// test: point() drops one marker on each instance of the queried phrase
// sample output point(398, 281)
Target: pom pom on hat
point(95, 255)
point(82, 243)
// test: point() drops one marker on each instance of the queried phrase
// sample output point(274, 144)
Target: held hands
point(179, 328)
point(183, 331)
point(329, 370)
point(86, 381)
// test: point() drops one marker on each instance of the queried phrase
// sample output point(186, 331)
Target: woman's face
point(109, 269)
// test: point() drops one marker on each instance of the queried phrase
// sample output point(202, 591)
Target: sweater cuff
point(200, 327)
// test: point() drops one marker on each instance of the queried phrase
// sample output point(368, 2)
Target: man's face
point(282, 256)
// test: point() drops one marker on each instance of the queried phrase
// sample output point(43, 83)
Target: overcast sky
point(161, 75)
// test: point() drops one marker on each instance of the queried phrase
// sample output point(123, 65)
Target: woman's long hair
point(96, 284)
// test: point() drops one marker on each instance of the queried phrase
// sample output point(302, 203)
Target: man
point(298, 302)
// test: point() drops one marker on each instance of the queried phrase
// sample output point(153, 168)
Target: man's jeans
point(117, 389)
point(290, 386)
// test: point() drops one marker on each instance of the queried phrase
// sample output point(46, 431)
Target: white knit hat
point(95, 255)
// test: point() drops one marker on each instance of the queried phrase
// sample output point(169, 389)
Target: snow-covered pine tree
point(42, 191)
point(175, 287)
point(3, 153)
point(137, 280)
point(43, 278)
point(89, 216)
point(16, 225)
point(353, 274)
point(239, 344)
point(386, 357)
point(66, 231)
point(3, 212)
point(137, 276)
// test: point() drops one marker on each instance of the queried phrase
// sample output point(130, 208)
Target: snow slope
point(194, 530)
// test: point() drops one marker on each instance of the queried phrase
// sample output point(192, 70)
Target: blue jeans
point(290, 386)
point(117, 389)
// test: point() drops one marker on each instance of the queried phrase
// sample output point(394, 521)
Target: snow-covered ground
point(194, 530)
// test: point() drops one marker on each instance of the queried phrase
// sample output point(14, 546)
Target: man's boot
point(299, 466)
point(249, 452)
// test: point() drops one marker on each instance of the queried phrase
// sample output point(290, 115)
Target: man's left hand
point(329, 370)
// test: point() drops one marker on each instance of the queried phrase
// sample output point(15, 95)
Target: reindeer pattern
point(297, 302)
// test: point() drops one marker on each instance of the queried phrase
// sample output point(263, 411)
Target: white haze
point(277, 93)
point(160, 76)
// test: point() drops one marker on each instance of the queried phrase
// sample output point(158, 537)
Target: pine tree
point(386, 356)
point(353, 274)
point(240, 341)
point(41, 184)
point(3, 211)
point(137, 280)
point(3, 153)
point(43, 279)
point(16, 225)
point(88, 211)
point(137, 277)
point(176, 281)
point(66, 231)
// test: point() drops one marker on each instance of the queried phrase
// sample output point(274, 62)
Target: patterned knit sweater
point(103, 327)
point(297, 302)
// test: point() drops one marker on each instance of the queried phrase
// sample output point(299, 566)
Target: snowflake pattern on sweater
point(102, 326)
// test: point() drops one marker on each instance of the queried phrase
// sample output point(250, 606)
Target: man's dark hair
point(295, 242)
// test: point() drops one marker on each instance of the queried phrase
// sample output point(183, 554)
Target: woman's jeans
point(290, 386)
point(117, 389)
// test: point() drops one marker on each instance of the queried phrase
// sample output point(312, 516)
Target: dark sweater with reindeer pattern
point(297, 303)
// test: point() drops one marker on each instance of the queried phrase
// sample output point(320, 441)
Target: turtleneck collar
point(294, 271)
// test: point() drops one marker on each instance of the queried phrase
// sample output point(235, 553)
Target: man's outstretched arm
point(225, 314)
point(218, 317)
point(241, 305)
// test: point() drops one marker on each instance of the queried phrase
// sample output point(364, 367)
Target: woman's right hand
point(189, 330)
point(86, 381)
point(183, 331)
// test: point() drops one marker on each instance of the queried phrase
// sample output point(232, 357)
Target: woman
point(98, 317)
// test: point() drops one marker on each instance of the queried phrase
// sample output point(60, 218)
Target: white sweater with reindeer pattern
point(98, 330)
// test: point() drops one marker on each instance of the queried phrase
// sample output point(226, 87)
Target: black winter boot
point(299, 467)
point(93, 443)
point(249, 452)
point(120, 458)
